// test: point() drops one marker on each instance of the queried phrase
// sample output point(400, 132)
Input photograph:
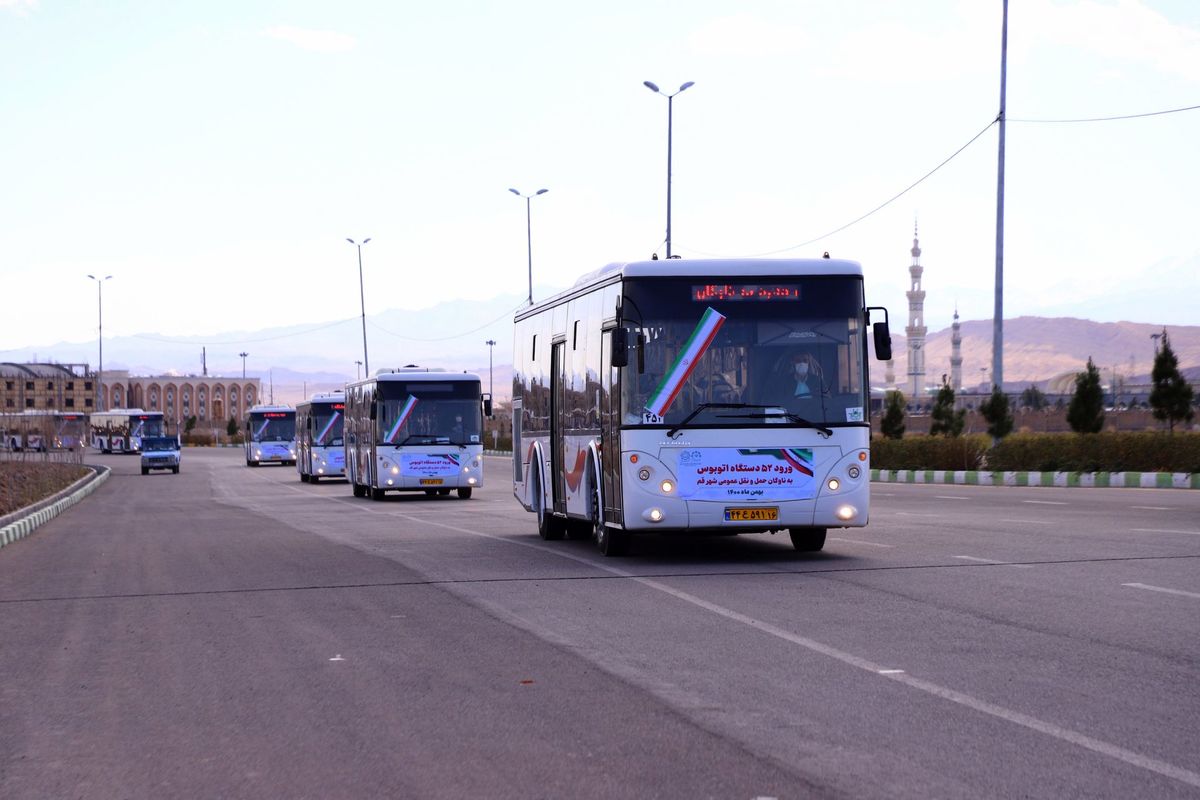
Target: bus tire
point(376, 494)
point(610, 541)
point(359, 490)
point(464, 493)
point(313, 479)
point(549, 528)
point(303, 478)
point(145, 470)
point(807, 540)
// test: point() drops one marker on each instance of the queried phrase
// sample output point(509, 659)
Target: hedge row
point(1043, 452)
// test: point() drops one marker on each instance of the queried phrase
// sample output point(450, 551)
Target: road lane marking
point(1153, 508)
point(891, 672)
point(960, 698)
point(859, 541)
point(992, 561)
point(1163, 530)
point(1162, 589)
point(949, 497)
point(1028, 521)
point(915, 514)
point(1046, 502)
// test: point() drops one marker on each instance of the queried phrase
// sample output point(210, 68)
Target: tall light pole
point(357, 367)
point(100, 338)
point(670, 97)
point(529, 234)
point(491, 343)
point(362, 299)
point(243, 355)
point(998, 312)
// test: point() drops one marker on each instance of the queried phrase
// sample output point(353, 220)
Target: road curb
point(1099, 480)
point(21, 523)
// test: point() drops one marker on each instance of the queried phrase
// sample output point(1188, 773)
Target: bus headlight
point(846, 513)
point(667, 487)
point(834, 484)
point(653, 515)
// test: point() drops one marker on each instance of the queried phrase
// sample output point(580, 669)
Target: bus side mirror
point(487, 406)
point(883, 341)
point(620, 347)
point(881, 333)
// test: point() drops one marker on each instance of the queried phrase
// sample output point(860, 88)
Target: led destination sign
point(768, 292)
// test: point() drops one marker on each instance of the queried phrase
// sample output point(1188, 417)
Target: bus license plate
point(770, 514)
point(431, 481)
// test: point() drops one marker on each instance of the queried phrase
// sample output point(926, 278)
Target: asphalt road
point(232, 632)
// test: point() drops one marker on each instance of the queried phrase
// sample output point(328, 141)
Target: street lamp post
point(357, 367)
point(362, 300)
point(100, 339)
point(491, 343)
point(529, 234)
point(670, 98)
point(243, 355)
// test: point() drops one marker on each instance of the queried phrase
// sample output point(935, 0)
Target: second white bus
point(320, 449)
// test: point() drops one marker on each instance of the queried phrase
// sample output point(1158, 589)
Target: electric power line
point(878, 208)
point(165, 340)
point(1108, 119)
point(454, 336)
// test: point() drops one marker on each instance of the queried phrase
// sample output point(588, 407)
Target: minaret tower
point(956, 354)
point(915, 332)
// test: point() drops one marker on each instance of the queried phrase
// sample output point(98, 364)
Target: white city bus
point(707, 396)
point(39, 430)
point(270, 435)
point(120, 430)
point(320, 451)
point(415, 429)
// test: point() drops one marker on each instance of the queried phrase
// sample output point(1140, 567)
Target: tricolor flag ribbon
point(405, 412)
point(329, 427)
point(259, 434)
point(693, 350)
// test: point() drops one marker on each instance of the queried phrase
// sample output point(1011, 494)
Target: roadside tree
point(1171, 397)
point(892, 424)
point(1085, 412)
point(945, 421)
point(998, 413)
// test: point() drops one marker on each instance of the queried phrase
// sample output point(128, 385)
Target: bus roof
point(410, 374)
point(705, 268)
point(267, 407)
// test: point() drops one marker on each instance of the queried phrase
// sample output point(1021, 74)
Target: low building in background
point(46, 387)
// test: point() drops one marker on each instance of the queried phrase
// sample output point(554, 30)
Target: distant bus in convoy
point(120, 430)
point(706, 396)
point(320, 449)
point(415, 429)
point(43, 430)
point(270, 435)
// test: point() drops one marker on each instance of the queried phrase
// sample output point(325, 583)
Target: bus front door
point(558, 412)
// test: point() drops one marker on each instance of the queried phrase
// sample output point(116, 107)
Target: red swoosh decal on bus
point(574, 476)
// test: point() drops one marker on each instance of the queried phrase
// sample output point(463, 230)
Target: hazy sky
point(214, 156)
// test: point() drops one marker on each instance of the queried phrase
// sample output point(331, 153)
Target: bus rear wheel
point(376, 494)
point(464, 493)
point(807, 540)
point(548, 527)
point(359, 490)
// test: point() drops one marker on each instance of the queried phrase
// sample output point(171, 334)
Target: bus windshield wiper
point(704, 407)
point(781, 414)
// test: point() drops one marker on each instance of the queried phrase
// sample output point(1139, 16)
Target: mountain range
point(320, 355)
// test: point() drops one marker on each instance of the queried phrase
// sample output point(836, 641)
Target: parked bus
point(415, 429)
point(270, 435)
point(120, 430)
point(43, 430)
point(320, 449)
point(705, 396)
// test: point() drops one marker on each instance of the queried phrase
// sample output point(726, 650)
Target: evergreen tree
point(189, 424)
point(998, 413)
point(1085, 413)
point(232, 427)
point(1171, 397)
point(946, 421)
point(1034, 398)
point(892, 423)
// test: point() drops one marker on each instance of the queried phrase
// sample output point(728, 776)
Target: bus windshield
point(429, 412)
point(272, 426)
point(781, 351)
point(327, 423)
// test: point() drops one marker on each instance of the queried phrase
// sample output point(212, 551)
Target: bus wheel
point(376, 494)
point(145, 470)
point(313, 478)
point(359, 490)
point(610, 541)
point(464, 493)
point(548, 527)
point(303, 478)
point(807, 540)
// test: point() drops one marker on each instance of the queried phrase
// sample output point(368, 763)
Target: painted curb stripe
point(1116, 480)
